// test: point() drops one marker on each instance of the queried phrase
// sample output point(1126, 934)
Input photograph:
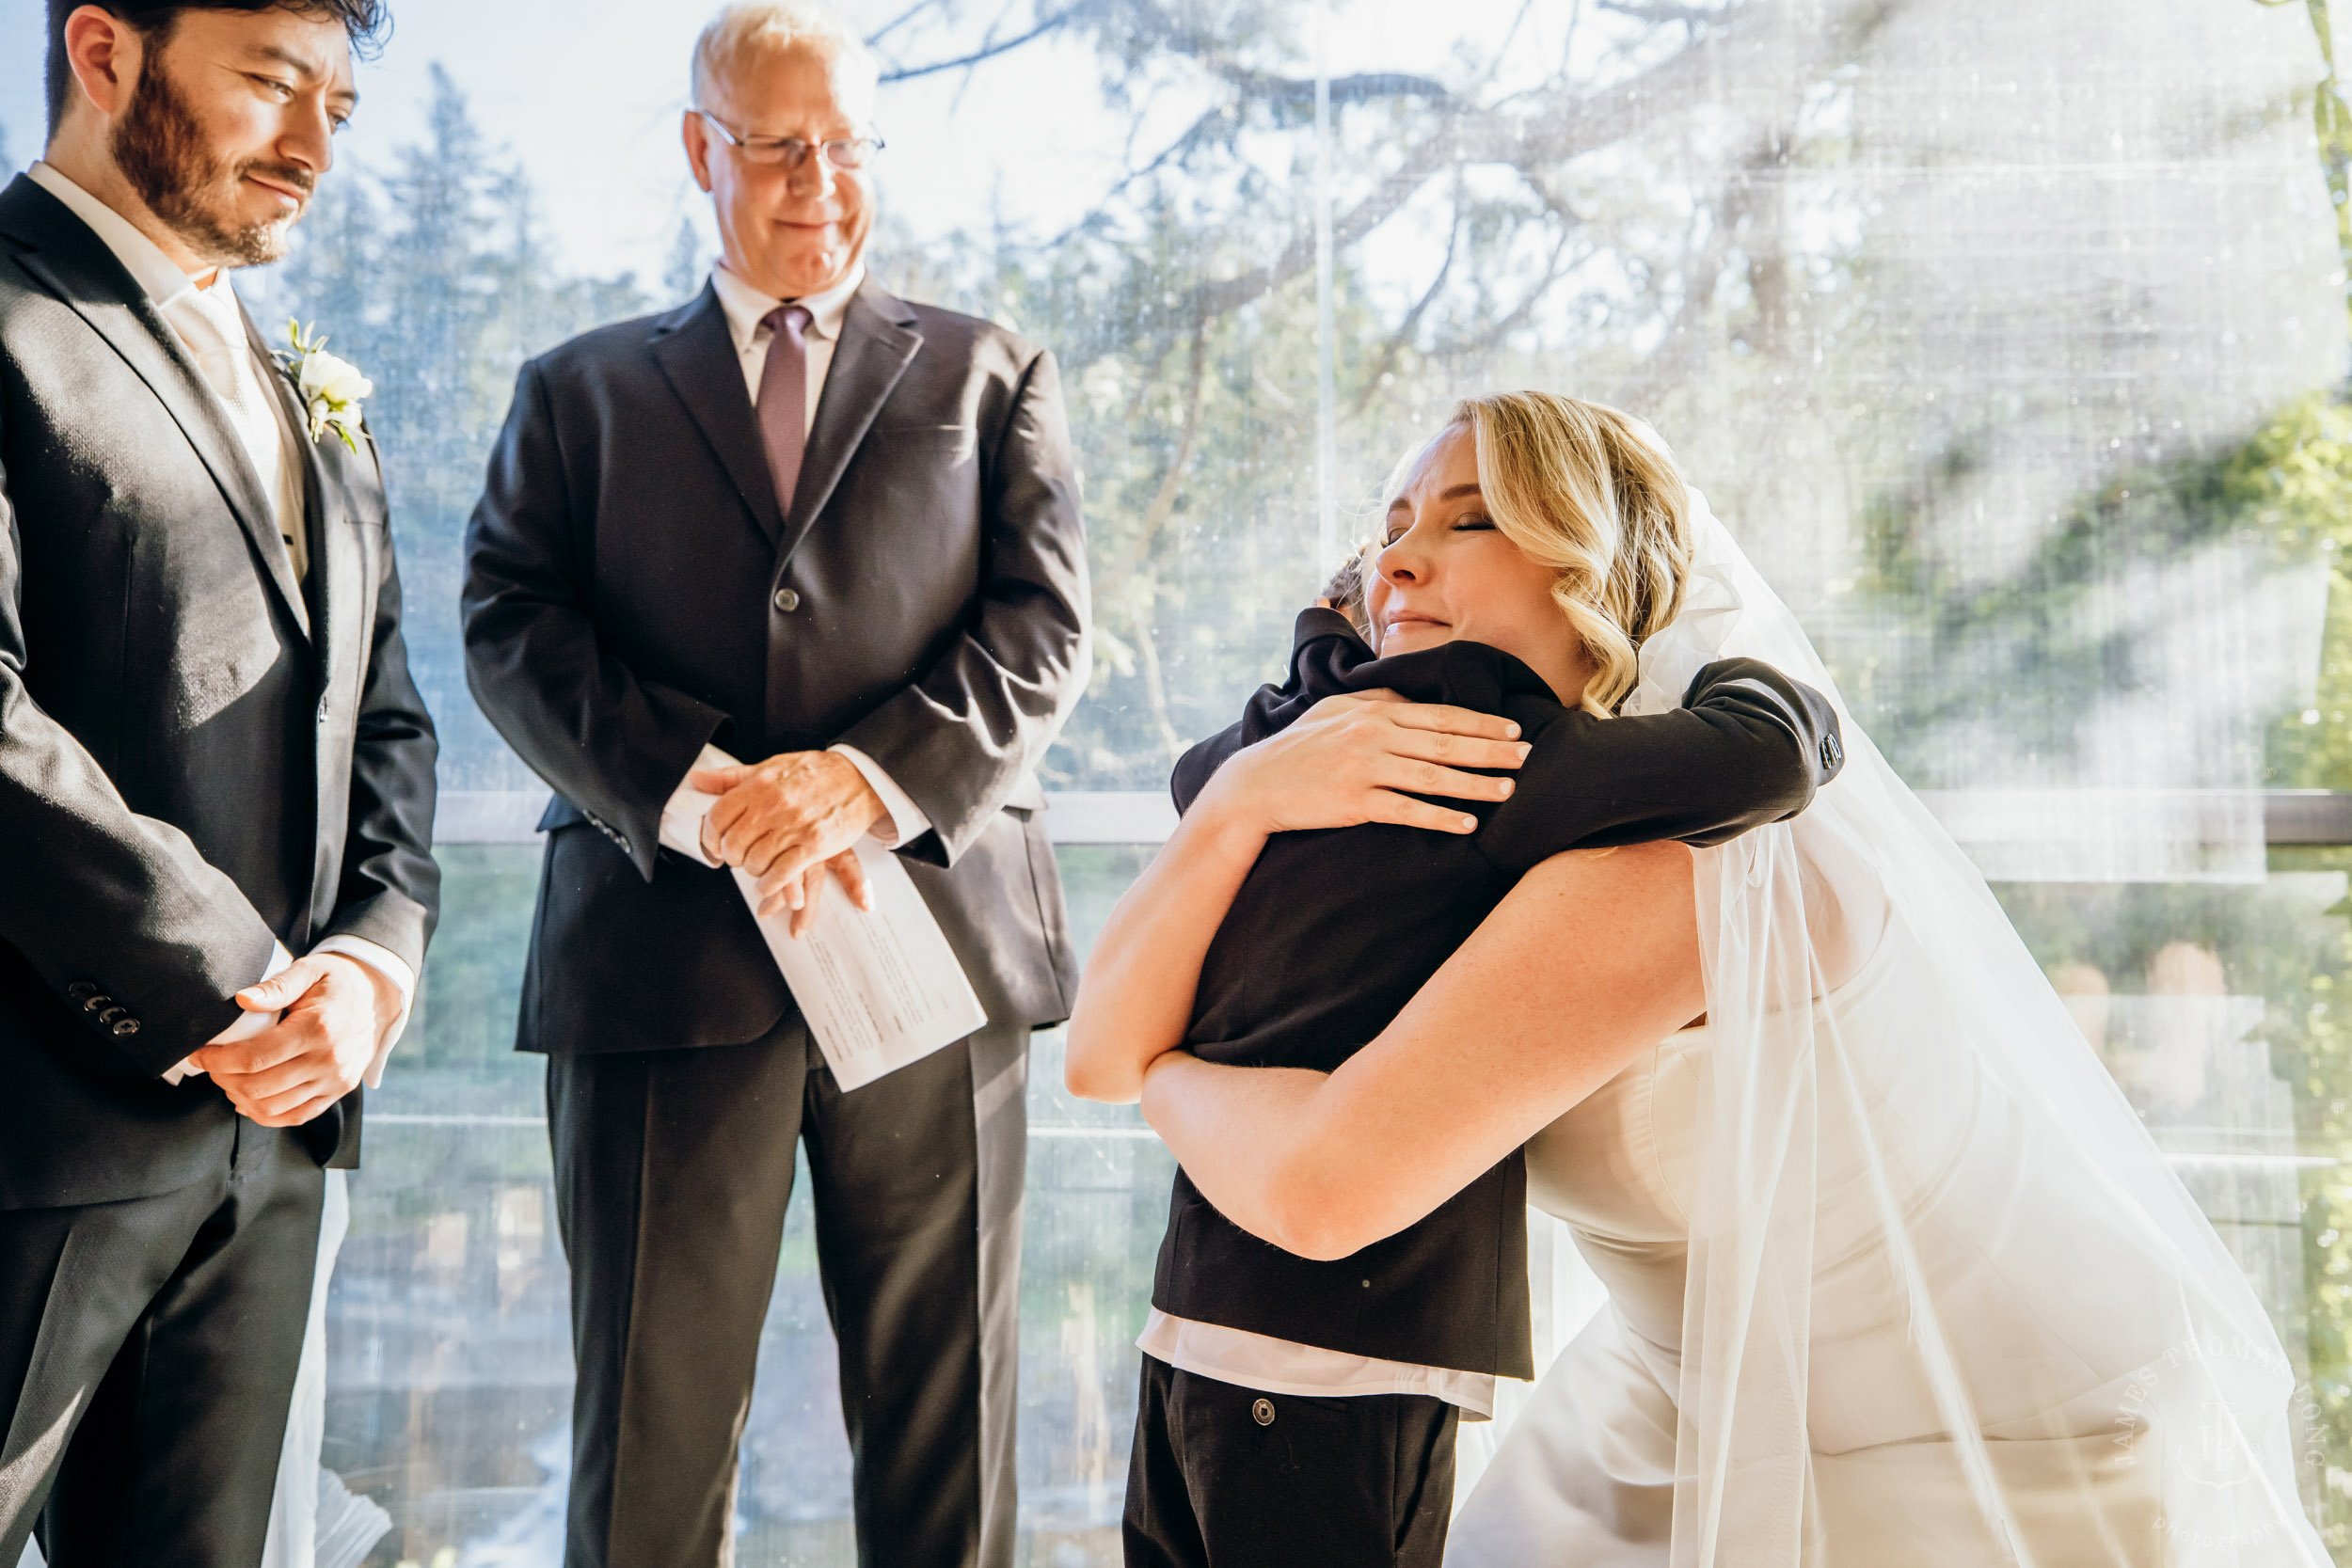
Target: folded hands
point(787, 822)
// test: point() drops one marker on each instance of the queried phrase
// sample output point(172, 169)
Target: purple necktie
point(783, 402)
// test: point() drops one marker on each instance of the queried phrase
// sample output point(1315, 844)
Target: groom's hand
point(334, 1012)
point(785, 822)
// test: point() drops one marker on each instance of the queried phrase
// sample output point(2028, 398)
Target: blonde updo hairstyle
point(1592, 493)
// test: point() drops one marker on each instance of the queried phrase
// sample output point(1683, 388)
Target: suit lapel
point(877, 342)
point(323, 503)
point(697, 353)
point(75, 266)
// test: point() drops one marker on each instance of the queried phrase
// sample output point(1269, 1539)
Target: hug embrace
point(1563, 876)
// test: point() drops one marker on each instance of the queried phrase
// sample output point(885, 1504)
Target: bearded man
point(212, 759)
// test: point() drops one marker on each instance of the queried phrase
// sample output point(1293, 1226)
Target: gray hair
point(765, 26)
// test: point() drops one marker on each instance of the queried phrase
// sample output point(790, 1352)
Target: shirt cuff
point(247, 1025)
point(393, 968)
point(682, 815)
point(902, 820)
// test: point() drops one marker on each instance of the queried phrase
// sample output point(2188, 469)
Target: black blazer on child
point(1333, 931)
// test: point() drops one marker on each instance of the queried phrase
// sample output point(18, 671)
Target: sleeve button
point(97, 1002)
point(126, 1027)
point(81, 990)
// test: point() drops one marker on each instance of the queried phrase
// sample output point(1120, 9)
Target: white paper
point(879, 988)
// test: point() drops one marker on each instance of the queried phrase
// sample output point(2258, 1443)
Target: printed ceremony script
point(880, 988)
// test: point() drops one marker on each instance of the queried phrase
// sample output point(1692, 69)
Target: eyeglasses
point(851, 152)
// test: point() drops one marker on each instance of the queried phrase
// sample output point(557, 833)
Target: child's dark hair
point(1344, 593)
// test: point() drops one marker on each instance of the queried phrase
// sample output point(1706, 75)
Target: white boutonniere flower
point(332, 389)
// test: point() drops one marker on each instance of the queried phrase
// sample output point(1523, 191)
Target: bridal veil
point(2067, 1333)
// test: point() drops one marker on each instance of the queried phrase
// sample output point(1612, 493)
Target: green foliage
point(2313, 1011)
point(2293, 483)
point(2031, 643)
point(2331, 128)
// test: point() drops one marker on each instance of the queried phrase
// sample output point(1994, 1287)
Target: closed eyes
point(1470, 522)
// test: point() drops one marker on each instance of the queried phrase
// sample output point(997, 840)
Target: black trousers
point(148, 1351)
point(1226, 1477)
point(672, 1169)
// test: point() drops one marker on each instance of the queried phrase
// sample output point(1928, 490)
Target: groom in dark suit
point(838, 535)
point(216, 782)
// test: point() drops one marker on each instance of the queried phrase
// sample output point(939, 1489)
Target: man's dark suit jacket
point(197, 754)
point(633, 591)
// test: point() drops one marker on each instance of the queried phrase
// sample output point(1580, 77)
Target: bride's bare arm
point(1591, 960)
point(1346, 762)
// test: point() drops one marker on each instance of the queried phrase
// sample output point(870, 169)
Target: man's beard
point(159, 146)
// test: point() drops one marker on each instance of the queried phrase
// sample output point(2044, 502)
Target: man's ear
point(105, 53)
point(697, 136)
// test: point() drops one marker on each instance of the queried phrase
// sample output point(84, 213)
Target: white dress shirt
point(204, 314)
point(1273, 1365)
point(203, 311)
point(746, 310)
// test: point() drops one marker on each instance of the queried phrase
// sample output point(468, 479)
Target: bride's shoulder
point(1627, 894)
point(1616, 878)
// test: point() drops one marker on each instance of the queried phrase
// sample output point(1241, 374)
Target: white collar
point(747, 307)
point(149, 268)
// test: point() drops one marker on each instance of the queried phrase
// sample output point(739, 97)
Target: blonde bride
point(1895, 1275)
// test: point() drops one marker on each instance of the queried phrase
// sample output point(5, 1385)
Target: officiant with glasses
point(835, 536)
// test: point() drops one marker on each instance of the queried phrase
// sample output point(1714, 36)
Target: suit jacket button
point(126, 1029)
point(111, 1014)
point(786, 600)
point(1263, 1413)
point(81, 990)
point(1832, 754)
point(96, 1000)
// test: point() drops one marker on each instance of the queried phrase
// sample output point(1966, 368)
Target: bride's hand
point(1353, 759)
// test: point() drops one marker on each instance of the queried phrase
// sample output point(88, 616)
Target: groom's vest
point(1334, 930)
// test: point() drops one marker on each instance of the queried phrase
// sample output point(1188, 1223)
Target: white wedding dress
point(1586, 1476)
point(1896, 1279)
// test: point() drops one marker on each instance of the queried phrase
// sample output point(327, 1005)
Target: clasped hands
point(786, 822)
point(334, 1013)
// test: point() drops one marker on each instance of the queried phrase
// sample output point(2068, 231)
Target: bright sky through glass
point(590, 107)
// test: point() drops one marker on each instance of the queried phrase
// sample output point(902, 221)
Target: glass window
point(2010, 339)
